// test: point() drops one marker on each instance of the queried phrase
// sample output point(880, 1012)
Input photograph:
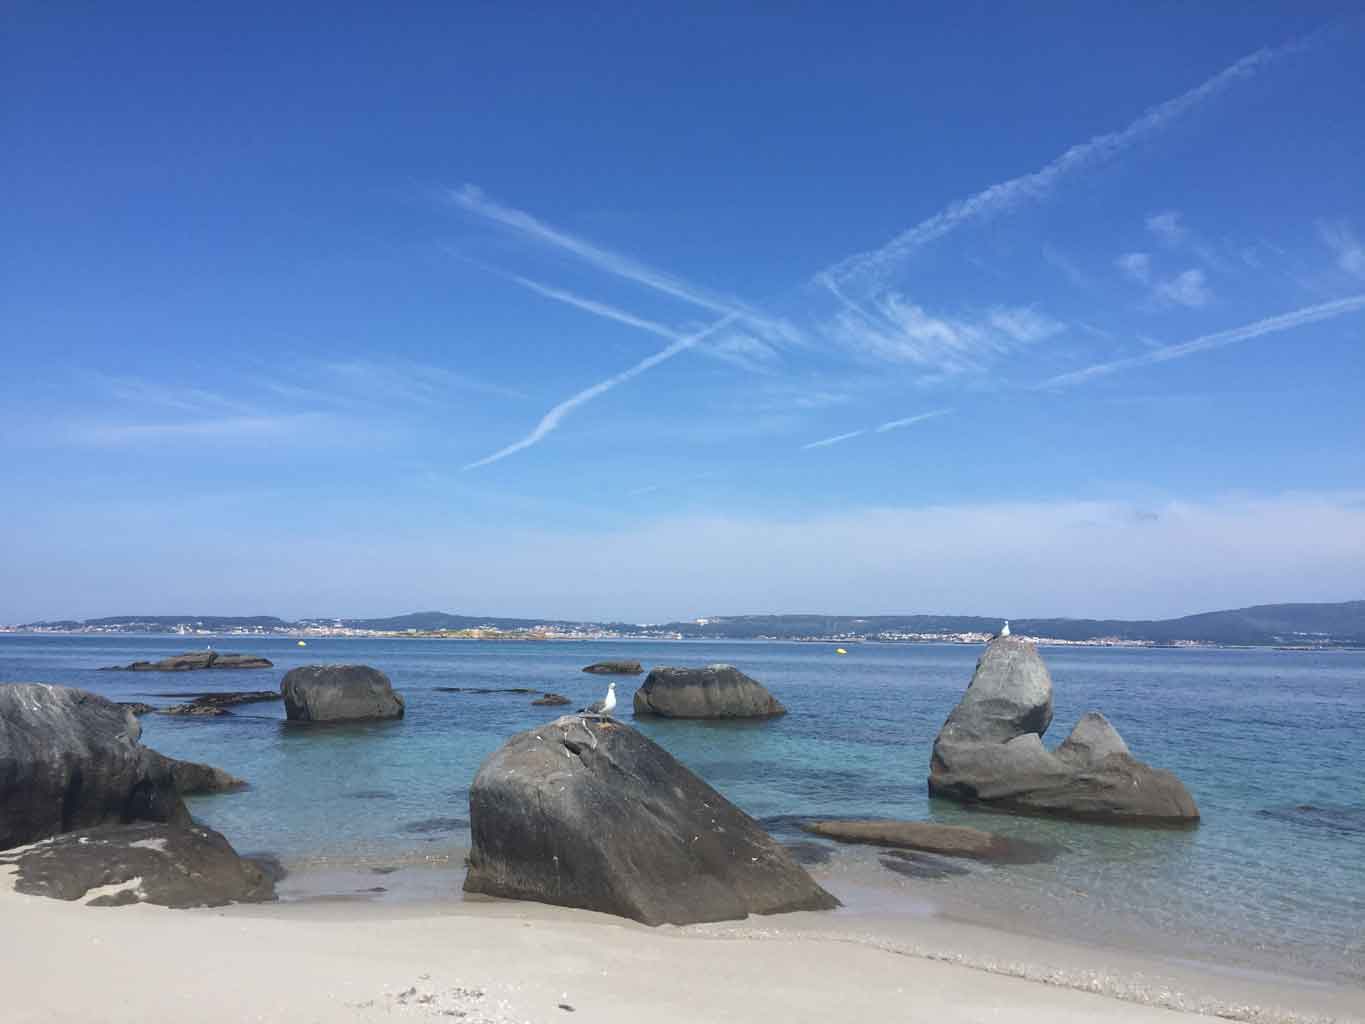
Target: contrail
point(552, 419)
point(1271, 325)
point(1005, 195)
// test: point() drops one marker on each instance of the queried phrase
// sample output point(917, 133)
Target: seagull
point(605, 706)
point(1005, 629)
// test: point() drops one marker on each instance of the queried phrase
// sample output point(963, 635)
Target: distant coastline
point(1296, 627)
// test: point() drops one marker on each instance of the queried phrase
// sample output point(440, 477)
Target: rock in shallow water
point(171, 866)
point(590, 813)
point(944, 840)
point(990, 751)
point(70, 759)
point(339, 693)
point(716, 691)
point(196, 660)
point(615, 668)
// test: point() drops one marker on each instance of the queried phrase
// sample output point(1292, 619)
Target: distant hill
point(1341, 624)
point(444, 620)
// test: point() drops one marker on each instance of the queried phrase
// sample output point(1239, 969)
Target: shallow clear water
point(1258, 736)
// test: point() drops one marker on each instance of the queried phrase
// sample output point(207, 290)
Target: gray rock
point(1010, 693)
point(943, 840)
point(169, 865)
point(136, 707)
point(716, 691)
point(69, 760)
point(1091, 741)
point(590, 813)
point(195, 711)
point(551, 700)
point(196, 660)
point(339, 693)
point(990, 751)
point(615, 668)
point(192, 778)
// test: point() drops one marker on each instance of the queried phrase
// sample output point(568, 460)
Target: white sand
point(486, 961)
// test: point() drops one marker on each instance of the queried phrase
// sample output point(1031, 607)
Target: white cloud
point(1167, 226)
point(1270, 325)
point(896, 330)
point(1198, 554)
point(1185, 289)
point(1024, 325)
point(1345, 245)
point(1137, 265)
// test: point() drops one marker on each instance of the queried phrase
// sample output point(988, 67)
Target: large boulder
point(990, 751)
point(196, 660)
point(70, 760)
point(928, 837)
point(339, 693)
point(1010, 694)
point(589, 813)
point(169, 865)
point(716, 691)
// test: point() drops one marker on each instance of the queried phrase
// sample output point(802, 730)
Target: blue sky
point(610, 312)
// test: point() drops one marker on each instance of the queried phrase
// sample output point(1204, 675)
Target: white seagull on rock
point(606, 705)
point(1005, 630)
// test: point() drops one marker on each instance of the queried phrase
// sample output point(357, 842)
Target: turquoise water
point(1269, 742)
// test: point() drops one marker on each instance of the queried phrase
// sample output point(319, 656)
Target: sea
point(1271, 743)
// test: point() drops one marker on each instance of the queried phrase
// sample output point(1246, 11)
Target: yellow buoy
point(302, 644)
point(840, 650)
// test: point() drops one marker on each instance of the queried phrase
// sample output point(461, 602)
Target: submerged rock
point(169, 865)
point(590, 813)
point(913, 864)
point(927, 837)
point(551, 700)
point(196, 660)
point(232, 699)
point(339, 693)
point(615, 668)
point(70, 759)
point(716, 691)
point(195, 710)
point(990, 751)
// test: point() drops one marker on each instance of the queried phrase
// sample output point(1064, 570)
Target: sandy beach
point(493, 961)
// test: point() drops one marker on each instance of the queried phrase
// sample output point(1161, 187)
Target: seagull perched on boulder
point(1005, 629)
point(603, 707)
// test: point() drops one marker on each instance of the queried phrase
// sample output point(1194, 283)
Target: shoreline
point(482, 960)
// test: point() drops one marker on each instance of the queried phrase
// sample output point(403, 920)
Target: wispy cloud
point(836, 439)
point(911, 420)
point(1136, 265)
point(1185, 289)
point(1066, 265)
point(186, 398)
point(1345, 246)
point(896, 330)
point(1270, 325)
point(1006, 195)
point(472, 199)
point(1167, 226)
point(551, 420)
point(225, 429)
point(405, 381)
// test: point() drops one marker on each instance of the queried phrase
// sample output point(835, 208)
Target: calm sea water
point(1270, 743)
